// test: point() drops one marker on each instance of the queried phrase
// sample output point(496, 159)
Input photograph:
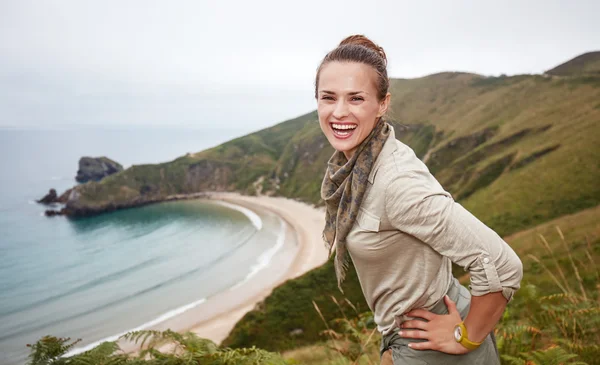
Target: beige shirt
point(407, 232)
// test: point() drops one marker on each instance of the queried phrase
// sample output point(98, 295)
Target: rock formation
point(96, 169)
point(52, 197)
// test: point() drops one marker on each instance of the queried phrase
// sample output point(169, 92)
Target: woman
point(401, 229)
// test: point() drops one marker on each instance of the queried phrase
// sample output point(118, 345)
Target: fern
point(185, 349)
point(554, 355)
point(552, 328)
point(49, 349)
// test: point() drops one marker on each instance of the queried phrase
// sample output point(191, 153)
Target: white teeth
point(344, 126)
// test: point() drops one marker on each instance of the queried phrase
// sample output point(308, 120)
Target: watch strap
point(464, 339)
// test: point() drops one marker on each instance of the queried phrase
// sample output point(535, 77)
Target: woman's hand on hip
point(438, 330)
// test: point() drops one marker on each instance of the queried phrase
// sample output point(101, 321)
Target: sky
point(247, 65)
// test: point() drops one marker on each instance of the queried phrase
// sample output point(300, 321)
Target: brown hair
point(358, 48)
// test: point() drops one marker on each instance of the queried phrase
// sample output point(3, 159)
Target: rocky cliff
point(96, 168)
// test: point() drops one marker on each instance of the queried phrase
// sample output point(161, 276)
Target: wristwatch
point(461, 336)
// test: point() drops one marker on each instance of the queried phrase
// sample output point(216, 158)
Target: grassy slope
point(581, 232)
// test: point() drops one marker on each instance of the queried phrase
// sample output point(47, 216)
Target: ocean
point(99, 277)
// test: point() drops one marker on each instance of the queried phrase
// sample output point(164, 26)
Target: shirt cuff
point(484, 279)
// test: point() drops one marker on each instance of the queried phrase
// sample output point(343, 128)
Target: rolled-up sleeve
point(415, 203)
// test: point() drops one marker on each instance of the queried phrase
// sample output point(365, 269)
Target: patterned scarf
point(343, 189)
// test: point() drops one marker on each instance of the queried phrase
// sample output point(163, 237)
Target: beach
point(216, 317)
point(307, 222)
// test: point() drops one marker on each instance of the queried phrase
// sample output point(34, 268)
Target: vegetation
point(164, 348)
point(290, 307)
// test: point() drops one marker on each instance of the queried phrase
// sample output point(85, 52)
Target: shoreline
point(215, 317)
point(311, 254)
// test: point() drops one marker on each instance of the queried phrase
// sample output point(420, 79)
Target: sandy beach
point(216, 317)
point(307, 222)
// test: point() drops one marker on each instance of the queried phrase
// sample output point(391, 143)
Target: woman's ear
point(384, 105)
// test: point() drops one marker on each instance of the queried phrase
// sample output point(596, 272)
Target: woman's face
point(347, 104)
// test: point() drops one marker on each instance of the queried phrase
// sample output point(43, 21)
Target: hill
point(587, 63)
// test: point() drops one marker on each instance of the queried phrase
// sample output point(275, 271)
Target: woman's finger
point(428, 345)
point(415, 323)
point(421, 313)
point(414, 334)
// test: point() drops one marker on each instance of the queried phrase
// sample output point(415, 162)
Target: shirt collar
point(388, 147)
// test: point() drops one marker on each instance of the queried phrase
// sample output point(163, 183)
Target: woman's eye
point(326, 98)
point(356, 98)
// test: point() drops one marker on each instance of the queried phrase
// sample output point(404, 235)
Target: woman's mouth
point(343, 130)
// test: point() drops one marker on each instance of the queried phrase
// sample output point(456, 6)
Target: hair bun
point(361, 40)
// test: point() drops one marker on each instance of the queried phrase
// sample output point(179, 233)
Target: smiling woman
point(352, 96)
point(401, 228)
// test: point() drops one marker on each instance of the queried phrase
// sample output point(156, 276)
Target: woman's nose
point(341, 110)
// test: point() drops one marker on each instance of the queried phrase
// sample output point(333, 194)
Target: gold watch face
point(457, 333)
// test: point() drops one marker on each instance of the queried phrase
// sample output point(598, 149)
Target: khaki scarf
point(343, 189)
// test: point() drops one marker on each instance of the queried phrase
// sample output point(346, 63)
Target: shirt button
point(486, 260)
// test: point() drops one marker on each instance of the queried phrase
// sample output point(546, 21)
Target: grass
point(545, 244)
point(269, 327)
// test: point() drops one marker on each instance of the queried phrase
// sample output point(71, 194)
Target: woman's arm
point(416, 204)
point(484, 314)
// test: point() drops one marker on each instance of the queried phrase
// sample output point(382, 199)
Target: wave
point(253, 217)
point(162, 318)
point(265, 258)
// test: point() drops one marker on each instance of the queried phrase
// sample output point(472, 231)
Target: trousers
point(401, 354)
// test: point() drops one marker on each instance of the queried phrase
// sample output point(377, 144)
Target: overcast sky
point(251, 64)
